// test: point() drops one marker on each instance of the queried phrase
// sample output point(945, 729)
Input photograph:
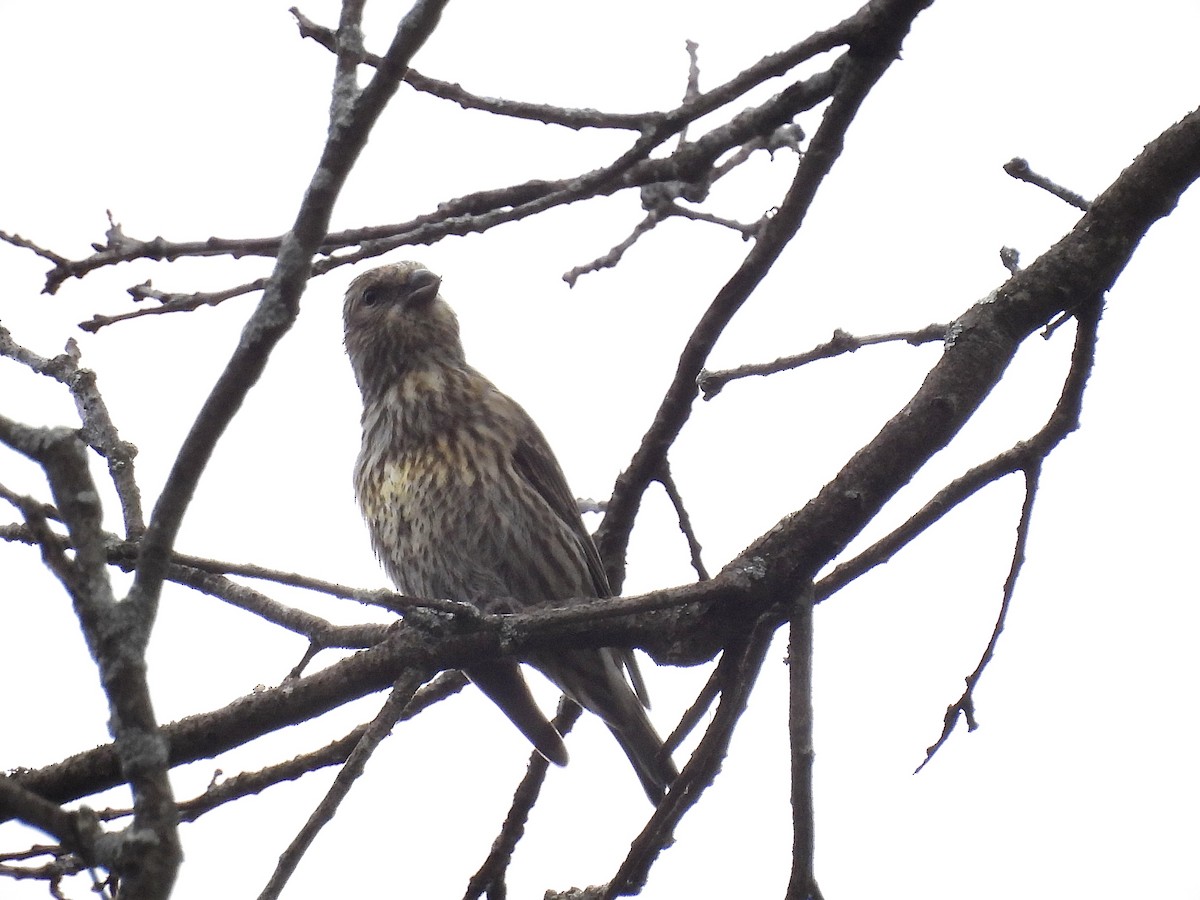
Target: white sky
point(189, 122)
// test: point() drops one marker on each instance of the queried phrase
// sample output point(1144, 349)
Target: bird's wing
point(535, 462)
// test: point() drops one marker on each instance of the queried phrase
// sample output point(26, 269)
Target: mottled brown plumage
point(465, 500)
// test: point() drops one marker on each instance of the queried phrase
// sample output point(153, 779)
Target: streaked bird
point(464, 500)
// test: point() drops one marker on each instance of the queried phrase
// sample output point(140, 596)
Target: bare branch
point(483, 210)
point(980, 345)
point(280, 304)
point(37, 531)
point(423, 642)
point(320, 632)
point(515, 109)
point(401, 693)
point(1019, 169)
point(170, 303)
point(17, 241)
point(614, 256)
point(692, 91)
point(146, 855)
point(63, 865)
point(856, 74)
point(695, 713)
point(711, 383)
point(966, 703)
point(188, 570)
point(26, 806)
point(98, 429)
point(1062, 421)
point(685, 521)
point(747, 230)
point(489, 878)
point(738, 671)
point(803, 882)
point(335, 753)
point(659, 199)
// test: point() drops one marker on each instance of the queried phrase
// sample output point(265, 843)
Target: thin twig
point(614, 256)
point(485, 209)
point(746, 230)
point(965, 705)
point(695, 713)
point(63, 866)
point(692, 91)
point(184, 570)
point(1019, 169)
point(393, 708)
point(711, 383)
point(170, 303)
point(1062, 421)
point(685, 521)
point(332, 754)
point(516, 109)
point(320, 632)
point(24, 243)
point(98, 429)
point(659, 199)
point(569, 613)
point(697, 105)
point(37, 531)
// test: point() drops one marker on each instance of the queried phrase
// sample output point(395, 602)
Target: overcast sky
point(194, 121)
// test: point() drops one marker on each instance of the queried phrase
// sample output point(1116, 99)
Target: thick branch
point(980, 345)
point(439, 643)
point(884, 26)
point(146, 855)
point(349, 128)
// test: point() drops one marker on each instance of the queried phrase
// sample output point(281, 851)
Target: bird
point(465, 500)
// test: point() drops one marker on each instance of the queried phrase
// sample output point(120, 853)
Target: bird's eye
point(372, 296)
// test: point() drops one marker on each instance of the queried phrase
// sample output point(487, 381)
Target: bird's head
point(396, 321)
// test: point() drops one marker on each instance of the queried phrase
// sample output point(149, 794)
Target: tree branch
point(803, 882)
point(489, 878)
point(391, 712)
point(738, 671)
point(349, 128)
point(881, 28)
point(711, 383)
point(980, 345)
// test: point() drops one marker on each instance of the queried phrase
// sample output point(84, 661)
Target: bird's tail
point(595, 679)
point(641, 743)
point(505, 686)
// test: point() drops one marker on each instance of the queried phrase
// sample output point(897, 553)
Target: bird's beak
point(423, 286)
